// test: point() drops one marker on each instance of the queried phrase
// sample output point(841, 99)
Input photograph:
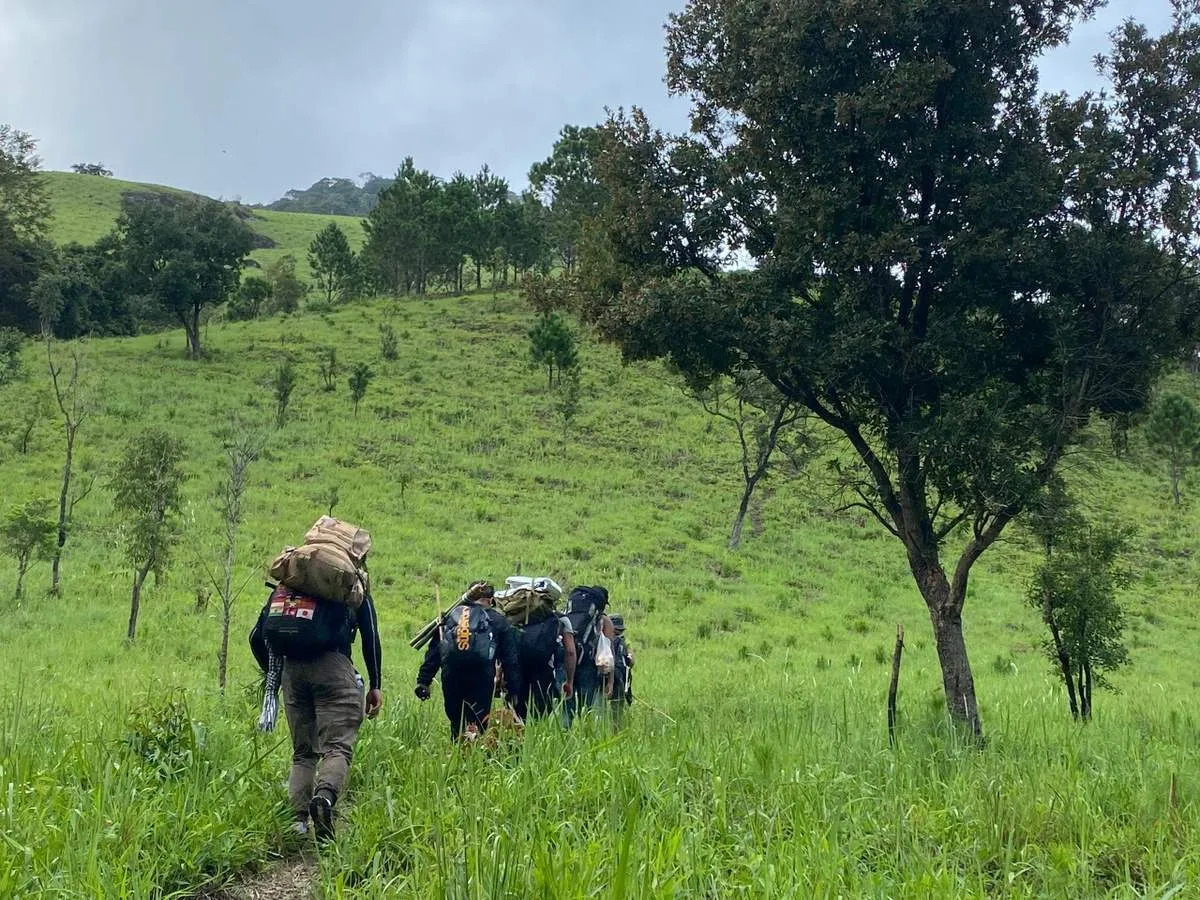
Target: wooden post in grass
point(891, 701)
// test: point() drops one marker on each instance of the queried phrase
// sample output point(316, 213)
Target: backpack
point(537, 644)
point(526, 606)
point(330, 564)
point(584, 607)
point(300, 626)
point(467, 639)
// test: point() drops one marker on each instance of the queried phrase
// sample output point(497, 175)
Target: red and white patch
point(302, 609)
point(295, 606)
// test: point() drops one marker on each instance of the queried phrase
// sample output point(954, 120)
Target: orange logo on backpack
point(463, 632)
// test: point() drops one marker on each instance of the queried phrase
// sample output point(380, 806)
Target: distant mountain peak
point(335, 196)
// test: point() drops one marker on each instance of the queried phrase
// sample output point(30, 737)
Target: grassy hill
point(85, 207)
point(755, 762)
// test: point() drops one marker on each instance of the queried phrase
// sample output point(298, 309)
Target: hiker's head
point(481, 592)
point(618, 623)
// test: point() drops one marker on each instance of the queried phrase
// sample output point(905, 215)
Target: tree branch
point(944, 532)
point(868, 504)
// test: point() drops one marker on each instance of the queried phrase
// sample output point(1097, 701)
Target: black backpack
point(537, 644)
point(584, 608)
point(298, 626)
point(467, 639)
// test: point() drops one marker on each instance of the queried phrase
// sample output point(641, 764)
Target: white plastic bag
point(604, 655)
point(542, 585)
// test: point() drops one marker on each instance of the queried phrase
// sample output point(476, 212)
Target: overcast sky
point(248, 98)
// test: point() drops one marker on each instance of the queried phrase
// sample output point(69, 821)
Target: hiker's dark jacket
point(367, 624)
point(506, 653)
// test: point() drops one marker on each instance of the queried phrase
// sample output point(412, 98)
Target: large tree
point(24, 218)
point(23, 199)
point(491, 196)
point(952, 272)
point(566, 182)
point(401, 244)
point(185, 253)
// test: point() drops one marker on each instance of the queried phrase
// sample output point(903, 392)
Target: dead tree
point(894, 686)
point(764, 423)
point(68, 394)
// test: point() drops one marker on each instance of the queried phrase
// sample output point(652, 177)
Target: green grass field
point(85, 207)
point(755, 763)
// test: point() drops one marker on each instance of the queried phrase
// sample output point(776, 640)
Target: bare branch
point(873, 511)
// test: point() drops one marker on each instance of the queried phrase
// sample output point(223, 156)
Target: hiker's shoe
point(320, 811)
point(300, 827)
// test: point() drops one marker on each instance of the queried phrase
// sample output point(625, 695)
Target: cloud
point(251, 97)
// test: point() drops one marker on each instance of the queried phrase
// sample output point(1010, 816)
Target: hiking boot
point(300, 827)
point(320, 811)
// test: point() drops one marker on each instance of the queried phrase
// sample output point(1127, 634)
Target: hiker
point(593, 646)
point(472, 638)
point(539, 658)
point(545, 642)
point(622, 692)
point(322, 691)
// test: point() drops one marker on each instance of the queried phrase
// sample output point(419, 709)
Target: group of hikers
point(515, 643)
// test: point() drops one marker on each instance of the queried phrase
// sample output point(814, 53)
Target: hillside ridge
point(85, 209)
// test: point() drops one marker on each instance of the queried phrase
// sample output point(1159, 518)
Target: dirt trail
point(291, 879)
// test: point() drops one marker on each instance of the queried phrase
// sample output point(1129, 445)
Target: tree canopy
point(423, 230)
point(332, 261)
point(566, 183)
point(950, 270)
point(187, 254)
point(24, 218)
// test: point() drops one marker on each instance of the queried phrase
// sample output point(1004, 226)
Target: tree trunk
point(226, 610)
point(894, 685)
point(135, 602)
point(63, 510)
point(1064, 663)
point(1064, 658)
point(735, 536)
point(191, 326)
point(945, 613)
point(478, 275)
point(1085, 689)
point(22, 568)
point(1175, 494)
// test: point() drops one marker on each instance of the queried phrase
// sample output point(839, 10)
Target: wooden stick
point(895, 684)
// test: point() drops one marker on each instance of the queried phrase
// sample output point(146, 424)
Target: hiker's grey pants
point(323, 700)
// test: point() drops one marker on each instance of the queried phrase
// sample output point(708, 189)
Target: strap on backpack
point(590, 631)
